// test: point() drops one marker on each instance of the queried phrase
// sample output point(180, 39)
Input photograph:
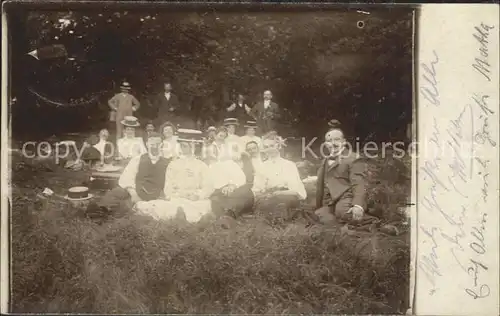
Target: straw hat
point(125, 86)
point(78, 194)
point(130, 121)
point(211, 129)
point(189, 135)
point(252, 124)
point(231, 121)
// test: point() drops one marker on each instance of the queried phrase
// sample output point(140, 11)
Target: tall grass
point(64, 263)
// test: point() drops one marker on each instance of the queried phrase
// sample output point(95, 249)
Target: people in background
point(232, 140)
point(278, 179)
point(168, 105)
point(187, 185)
point(231, 196)
point(239, 109)
point(341, 185)
point(170, 146)
point(143, 179)
point(130, 146)
point(266, 112)
point(122, 104)
point(250, 134)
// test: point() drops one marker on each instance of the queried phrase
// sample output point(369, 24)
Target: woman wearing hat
point(122, 104)
point(130, 146)
point(250, 129)
point(232, 140)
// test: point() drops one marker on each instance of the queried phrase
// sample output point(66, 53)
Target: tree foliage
point(318, 65)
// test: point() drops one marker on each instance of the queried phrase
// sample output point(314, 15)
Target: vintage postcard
point(245, 158)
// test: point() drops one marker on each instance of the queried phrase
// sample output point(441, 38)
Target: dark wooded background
point(319, 65)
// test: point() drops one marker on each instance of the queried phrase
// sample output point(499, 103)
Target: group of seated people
point(181, 171)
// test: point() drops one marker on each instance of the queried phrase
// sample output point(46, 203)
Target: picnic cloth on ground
point(161, 209)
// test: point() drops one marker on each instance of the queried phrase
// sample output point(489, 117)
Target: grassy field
point(133, 264)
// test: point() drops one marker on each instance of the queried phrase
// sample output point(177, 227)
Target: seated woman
point(187, 185)
point(130, 146)
point(170, 146)
point(277, 185)
point(231, 196)
point(212, 152)
point(250, 135)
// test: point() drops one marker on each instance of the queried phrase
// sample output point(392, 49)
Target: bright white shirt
point(267, 103)
point(226, 172)
point(279, 172)
point(127, 178)
point(167, 95)
point(244, 140)
point(187, 175)
point(171, 148)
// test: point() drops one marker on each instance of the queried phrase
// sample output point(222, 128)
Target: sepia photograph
point(209, 159)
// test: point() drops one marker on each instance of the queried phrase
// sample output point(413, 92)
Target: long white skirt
point(161, 209)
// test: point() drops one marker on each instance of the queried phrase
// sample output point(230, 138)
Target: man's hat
point(211, 129)
point(189, 135)
point(130, 121)
point(252, 124)
point(231, 121)
point(125, 86)
point(78, 194)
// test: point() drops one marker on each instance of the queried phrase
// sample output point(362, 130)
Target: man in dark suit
point(168, 106)
point(239, 109)
point(266, 112)
point(342, 184)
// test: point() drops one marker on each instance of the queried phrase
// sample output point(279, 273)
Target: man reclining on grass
point(187, 185)
point(277, 186)
point(143, 179)
point(341, 185)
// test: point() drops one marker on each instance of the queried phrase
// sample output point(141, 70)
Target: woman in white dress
point(130, 146)
point(170, 146)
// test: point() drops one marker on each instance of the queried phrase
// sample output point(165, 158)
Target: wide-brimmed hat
point(231, 121)
point(252, 124)
point(211, 129)
point(130, 121)
point(189, 135)
point(125, 86)
point(78, 194)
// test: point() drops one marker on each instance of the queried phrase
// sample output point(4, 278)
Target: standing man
point(122, 104)
point(239, 109)
point(266, 112)
point(168, 106)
